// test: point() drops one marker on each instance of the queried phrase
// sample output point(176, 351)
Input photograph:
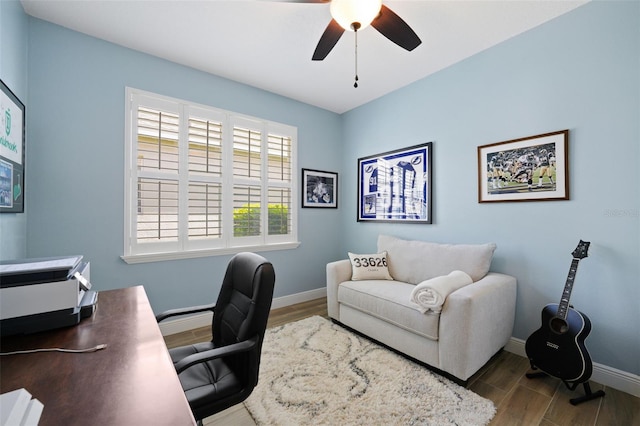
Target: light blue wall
point(77, 86)
point(14, 31)
point(579, 72)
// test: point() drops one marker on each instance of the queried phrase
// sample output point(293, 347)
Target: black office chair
point(219, 374)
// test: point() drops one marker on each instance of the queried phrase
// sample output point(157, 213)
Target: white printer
point(43, 294)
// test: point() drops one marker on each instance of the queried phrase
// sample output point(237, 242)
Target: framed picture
point(396, 186)
point(12, 150)
point(319, 189)
point(535, 168)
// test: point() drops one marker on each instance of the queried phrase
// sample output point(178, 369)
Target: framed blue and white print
point(396, 186)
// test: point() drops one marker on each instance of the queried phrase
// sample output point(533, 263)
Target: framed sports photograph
point(396, 186)
point(319, 189)
point(535, 168)
point(12, 151)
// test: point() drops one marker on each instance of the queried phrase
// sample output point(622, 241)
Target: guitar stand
point(588, 394)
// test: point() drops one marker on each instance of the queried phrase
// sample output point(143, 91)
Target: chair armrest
point(184, 311)
point(475, 323)
point(337, 272)
point(234, 348)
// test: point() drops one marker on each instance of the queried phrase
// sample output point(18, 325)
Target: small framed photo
point(535, 168)
point(319, 189)
point(396, 186)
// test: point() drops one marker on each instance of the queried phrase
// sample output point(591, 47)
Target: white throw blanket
point(431, 294)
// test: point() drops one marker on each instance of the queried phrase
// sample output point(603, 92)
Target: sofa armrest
point(475, 323)
point(337, 272)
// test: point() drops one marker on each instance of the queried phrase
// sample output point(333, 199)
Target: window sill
point(161, 257)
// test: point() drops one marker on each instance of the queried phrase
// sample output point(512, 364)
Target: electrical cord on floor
point(74, 351)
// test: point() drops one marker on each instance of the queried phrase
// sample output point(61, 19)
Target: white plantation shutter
point(280, 169)
point(247, 202)
point(247, 180)
point(157, 140)
point(279, 211)
point(202, 181)
point(280, 183)
point(205, 160)
point(157, 218)
point(247, 153)
point(157, 162)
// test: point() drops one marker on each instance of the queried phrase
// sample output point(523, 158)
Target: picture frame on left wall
point(319, 189)
point(12, 151)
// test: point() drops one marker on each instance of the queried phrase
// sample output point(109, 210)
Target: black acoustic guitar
point(557, 347)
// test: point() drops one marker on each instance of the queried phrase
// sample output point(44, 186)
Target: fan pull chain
point(355, 84)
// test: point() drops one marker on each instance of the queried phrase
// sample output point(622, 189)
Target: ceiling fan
point(355, 15)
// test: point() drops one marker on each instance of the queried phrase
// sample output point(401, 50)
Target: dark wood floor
point(520, 401)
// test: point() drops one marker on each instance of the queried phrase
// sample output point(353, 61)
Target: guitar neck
point(563, 306)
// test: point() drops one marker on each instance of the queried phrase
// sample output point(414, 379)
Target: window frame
point(137, 252)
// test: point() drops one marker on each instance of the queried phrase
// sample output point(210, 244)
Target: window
point(202, 181)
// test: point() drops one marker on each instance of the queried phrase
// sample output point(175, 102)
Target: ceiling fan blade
point(329, 38)
point(395, 29)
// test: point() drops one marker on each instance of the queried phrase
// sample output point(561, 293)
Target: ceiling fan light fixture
point(350, 12)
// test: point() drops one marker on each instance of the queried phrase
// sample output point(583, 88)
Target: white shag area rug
point(315, 372)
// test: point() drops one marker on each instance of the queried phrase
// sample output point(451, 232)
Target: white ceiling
point(268, 44)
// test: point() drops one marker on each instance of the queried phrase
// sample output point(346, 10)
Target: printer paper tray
point(50, 320)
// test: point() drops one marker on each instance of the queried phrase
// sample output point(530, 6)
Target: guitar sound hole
point(558, 325)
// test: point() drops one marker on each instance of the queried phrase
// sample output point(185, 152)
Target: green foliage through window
point(246, 220)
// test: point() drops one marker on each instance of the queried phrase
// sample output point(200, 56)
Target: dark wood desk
point(131, 382)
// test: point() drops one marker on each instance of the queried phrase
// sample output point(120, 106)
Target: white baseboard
point(305, 296)
point(608, 376)
point(605, 375)
point(187, 323)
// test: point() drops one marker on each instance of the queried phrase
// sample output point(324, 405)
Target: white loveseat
point(474, 323)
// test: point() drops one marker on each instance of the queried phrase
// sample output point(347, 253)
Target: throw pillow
point(412, 261)
point(369, 266)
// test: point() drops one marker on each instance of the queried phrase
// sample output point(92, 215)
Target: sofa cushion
point(415, 261)
point(391, 302)
point(369, 266)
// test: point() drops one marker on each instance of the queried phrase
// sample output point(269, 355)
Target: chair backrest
point(242, 310)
